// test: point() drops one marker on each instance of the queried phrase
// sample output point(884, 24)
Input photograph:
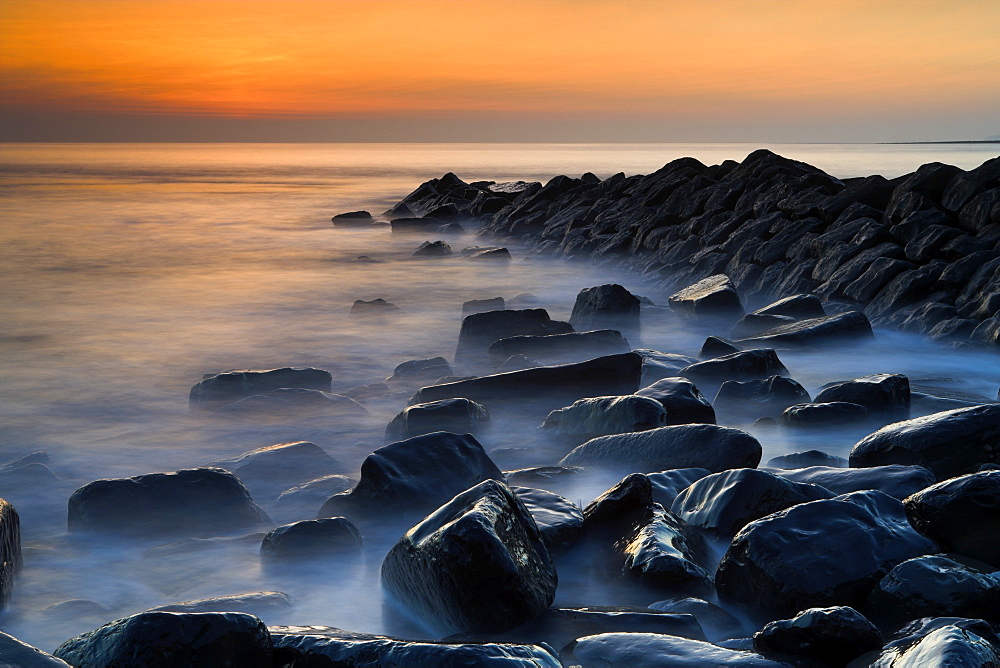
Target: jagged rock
point(807, 458)
point(744, 365)
point(459, 416)
point(559, 520)
point(281, 465)
point(725, 502)
point(759, 398)
point(255, 603)
point(293, 401)
point(712, 297)
point(477, 564)
point(949, 443)
point(879, 393)
point(816, 554)
point(414, 475)
point(168, 639)
point(432, 249)
point(17, 654)
point(483, 305)
point(683, 401)
point(426, 369)
point(667, 485)
point(353, 219)
point(681, 446)
point(832, 635)
point(657, 650)
point(312, 539)
point(600, 416)
point(376, 306)
point(826, 414)
point(194, 502)
point(897, 481)
point(10, 549)
point(603, 306)
point(480, 330)
point(560, 348)
point(940, 643)
point(815, 331)
point(962, 514)
point(229, 386)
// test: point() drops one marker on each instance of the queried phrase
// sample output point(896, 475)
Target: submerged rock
point(458, 416)
point(377, 306)
point(895, 480)
point(293, 401)
point(560, 348)
point(815, 331)
point(657, 650)
point(432, 249)
point(229, 386)
point(425, 369)
point(328, 537)
point(831, 635)
point(353, 219)
point(255, 603)
point(10, 549)
point(658, 365)
point(759, 398)
point(477, 564)
point(827, 414)
point(281, 465)
point(716, 622)
point(480, 330)
point(744, 365)
point(483, 305)
point(684, 403)
point(600, 416)
point(602, 306)
point(879, 393)
point(807, 458)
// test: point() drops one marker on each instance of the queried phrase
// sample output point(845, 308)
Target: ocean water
point(130, 270)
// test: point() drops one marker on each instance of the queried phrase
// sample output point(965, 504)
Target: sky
point(527, 70)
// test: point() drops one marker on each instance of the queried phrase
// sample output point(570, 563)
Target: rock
point(880, 393)
point(326, 538)
point(293, 401)
point(377, 306)
point(482, 305)
point(199, 502)
point(667, 485)
point(517, 363)
point(416, 225)
point(705, 446)
point(494, 254)
point(758, 398)
point(828, 414)
point(480, 330)
point(962, 514)
point(545, 388)
point(724, 503)
point(657, 366)
point(815, 331)
point(256, 603)
point(716, 622)
point(16, 654)
point(353, 219)
point(560, 348)
point(744, 365)
point(683, 401)
point(716, 346)
point(797, 306)
point(459, 416)
point(415, 475)
point(426, 369)
point(603, 306)
point(168, 639)
point(797, 460)
point(832, 635)
point(559, 520)
point(281, 465)
point(941, 643)
point(477, 564)
point(936, 585)
point(895, 480)
point(432, 249)
point(314, 492)
point(10, 550)
point(600, 416)
point(365, 259)
point(367, 392)
point(552, 478)
point(753, 324)
point(323, 646)
point(949, 443)
point(816, 554)
point(657, 650)
point(229, 386)
point(712, 297)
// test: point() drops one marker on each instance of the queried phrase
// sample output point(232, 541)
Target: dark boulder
point(705, 446)
point(280, 466)
point(816, 554)
point(376, 306)
point(657, 650)
point(517, 363)
point(329, 537)
point(941, 642)
point(744, 365)
point(712, 297)
point(815, 331)
point(417, 370)
point(353, 219)
point(668, 484)
point(476, 564)
point(483, 305)
point(603, 306)
point(657, 365)
point(799, 307)
point(684, 403)
point(559, 520)
point(758, 398)
point(753, 324)
point(560, 348)
point(834, 635)
point(10, 549)
point(458, 416)
point(897, 481)
point(229, 386)
point(715, 621)
point(191, 502)
point(725, 502)
point(600, 416)
point(880, 393)
point(311, 494)
point(494, 254)
point(806, 458)
point(415, 475)
point(949, 443)
point(545, 477)
point(962, 514)
point(716, 346)
point(169, 639)
point(826, 414)
point(432, 249)
point(256, 603)
point(480, 330)
point(17, 654)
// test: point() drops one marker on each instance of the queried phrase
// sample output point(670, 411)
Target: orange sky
point(707, 63)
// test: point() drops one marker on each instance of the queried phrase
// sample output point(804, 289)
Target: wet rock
point(724, 503)
point(799, 307)
point(293, 401)
point(415, 475)
point(559, 520)
point(716, 622)
point(962, 514)
point(744, 365)
point(936, 586)
point(256, 603)
point(807, 458)
point(949, 443)
point(493, 254)
point(657, 366)
point(425, 369)
point(682, 400)
point(377, 306)
point(543, 476)
point(353, 219)
point(189, 546)
point(827, 414)
point(832, 635)
point(815, 331)
point(480, 330)
point(705, 446)
point(313, 493)
point(940, 643)
point(10, 549)
point(753, 324)
point(167, 639)
point(759, 398)
point(880, 393)
point(603, 306)
point(329, 537)
point(816, 554)
point(459, 416)
point(432, 249)
point(363, 393)
point(667, 485)
point(712, 297)
point(477, 564)
point(483, 305)
point(560, 348)
point(716, 346)
point(517, 363)
point(17, 654)
point(280, 466)
point(324, 646)
point(600, 416)
point(657, 650)
point(229, 386)
point(199, 502)
point(895, 480)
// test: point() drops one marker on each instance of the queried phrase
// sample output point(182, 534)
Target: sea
point(131, 270)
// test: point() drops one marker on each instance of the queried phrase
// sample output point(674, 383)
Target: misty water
point(129, 271)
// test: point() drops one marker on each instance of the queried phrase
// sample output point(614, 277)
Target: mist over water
point(129, 271)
